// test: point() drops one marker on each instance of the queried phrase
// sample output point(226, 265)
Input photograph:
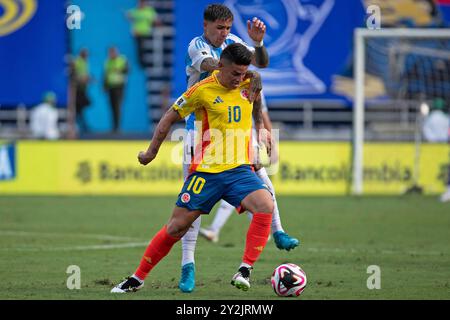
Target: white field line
point(139, 243)
point(76, 235)
point(377, 251)
point(79, 248)
point(144, 244)
point(133, 244)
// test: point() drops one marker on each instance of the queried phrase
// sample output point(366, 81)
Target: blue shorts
point(201, 191)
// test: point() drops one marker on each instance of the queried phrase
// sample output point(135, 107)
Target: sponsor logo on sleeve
point(180, 102)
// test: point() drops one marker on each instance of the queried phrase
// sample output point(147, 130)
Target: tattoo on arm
point(255, 84)
point(261, 57)
point(255, 80)
point(209, 64)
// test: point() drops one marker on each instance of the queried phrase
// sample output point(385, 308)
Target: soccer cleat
point(209, 235)
point(445, 196)
point(187, 281)
point(130, 284)
point(241, 279)
point(284, 241)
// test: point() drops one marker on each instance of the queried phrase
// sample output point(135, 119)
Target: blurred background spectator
point(44, 118)
point(143, 17)
point(307, 101)
point(436, 123)
point(80, 77)
point(115, 79)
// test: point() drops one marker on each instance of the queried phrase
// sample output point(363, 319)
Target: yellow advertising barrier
point(325, 168)
point(111, 167)
point(99, 167)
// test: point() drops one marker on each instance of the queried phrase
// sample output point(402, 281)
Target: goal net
point(400, 74)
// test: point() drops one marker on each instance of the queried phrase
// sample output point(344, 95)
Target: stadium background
point(38, 44)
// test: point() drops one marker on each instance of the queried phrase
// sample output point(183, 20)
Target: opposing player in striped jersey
point(202, 59)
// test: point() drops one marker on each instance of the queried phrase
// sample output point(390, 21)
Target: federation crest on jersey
point(185, 197)
point(244, 94)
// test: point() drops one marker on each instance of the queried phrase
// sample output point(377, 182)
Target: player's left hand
point(265, 137)
point(256, 29)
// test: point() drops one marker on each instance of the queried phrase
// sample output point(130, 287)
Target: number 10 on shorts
point(196, 184)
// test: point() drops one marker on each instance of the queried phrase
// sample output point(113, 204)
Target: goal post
point(361, 38)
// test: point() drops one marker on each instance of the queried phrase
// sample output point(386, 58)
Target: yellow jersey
point(223, 125)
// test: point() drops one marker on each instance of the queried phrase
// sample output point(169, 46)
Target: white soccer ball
point(288, 280)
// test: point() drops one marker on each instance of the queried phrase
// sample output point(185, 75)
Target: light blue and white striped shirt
point(199, 49)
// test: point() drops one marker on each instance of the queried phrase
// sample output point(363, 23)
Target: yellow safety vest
point(115, 71)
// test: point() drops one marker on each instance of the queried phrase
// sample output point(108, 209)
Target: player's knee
point(175, 229)
point(266, 206)
point(270, 206)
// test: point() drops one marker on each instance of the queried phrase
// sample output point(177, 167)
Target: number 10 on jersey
point(234, 114)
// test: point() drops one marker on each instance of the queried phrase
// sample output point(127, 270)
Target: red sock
point(257, 235)
point(158, 248)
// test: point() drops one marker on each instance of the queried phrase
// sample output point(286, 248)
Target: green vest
point(142, 20)
point(115, 71)
point(81, 68)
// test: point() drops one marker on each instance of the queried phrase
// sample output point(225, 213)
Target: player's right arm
point(160, 134)
point(183, 106)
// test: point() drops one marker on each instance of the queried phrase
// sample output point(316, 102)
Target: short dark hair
point(238, 54)
point(217, 11)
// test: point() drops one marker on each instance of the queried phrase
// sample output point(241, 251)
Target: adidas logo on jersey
point(218, 100)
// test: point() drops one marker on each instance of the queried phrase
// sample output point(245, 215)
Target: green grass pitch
point(407, 237)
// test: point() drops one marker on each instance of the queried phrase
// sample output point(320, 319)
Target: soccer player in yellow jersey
point(202, 58)
point(221, 168)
